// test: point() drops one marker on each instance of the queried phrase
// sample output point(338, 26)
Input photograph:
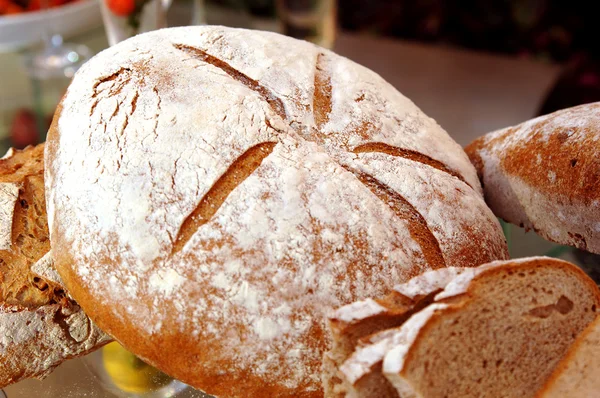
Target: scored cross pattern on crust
point(273, 101)
point(407, 154)
point(250, 160)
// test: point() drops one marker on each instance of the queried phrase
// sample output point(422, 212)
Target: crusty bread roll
point(353, 324)
point(544, 175)
point(214, 193)
point(578, 373)
point(40, 326)
point(497, 330)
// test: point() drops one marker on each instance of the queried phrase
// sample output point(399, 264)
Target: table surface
point(468, 94)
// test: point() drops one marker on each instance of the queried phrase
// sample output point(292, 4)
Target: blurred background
point(406, 41)
point(473, 65)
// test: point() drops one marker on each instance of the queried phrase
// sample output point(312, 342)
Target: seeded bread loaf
point(214, 193)
point(577, 374)
point(544, 175)
point(498, 330)
point(40, 326)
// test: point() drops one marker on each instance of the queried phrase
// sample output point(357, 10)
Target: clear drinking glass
point(125, 375)
point(310, 20)
point(50, 70)
point(126, 18)
point(199, 13)
point(233, 13)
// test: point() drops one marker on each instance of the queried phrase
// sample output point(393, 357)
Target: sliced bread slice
point(498, 330)
point(578, 373)
point(352, 325)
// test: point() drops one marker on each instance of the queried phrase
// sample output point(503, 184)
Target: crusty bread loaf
point(40, 327)
point(578, 373)
point(214, 193)
point(497, 330)
point(352, 325)
point(544, 175)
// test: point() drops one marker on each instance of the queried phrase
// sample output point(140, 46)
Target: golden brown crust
point(473, 151)
point(544, 175)
point(233, 261)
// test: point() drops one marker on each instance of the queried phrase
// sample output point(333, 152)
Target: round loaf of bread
point(213, 194)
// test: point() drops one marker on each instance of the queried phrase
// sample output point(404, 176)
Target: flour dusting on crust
point(44, 267)
point(543, 175)
point(52, 334)
point(148, 129)
point(9, 193)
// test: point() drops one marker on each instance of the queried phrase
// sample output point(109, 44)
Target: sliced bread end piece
point(578, 373)
point(357, 324)
point(502, 331)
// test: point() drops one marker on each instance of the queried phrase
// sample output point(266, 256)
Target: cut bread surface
point(500, 331)
point(497, 330)
point(578, 373)
point(359, 324)
point(24, 219)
